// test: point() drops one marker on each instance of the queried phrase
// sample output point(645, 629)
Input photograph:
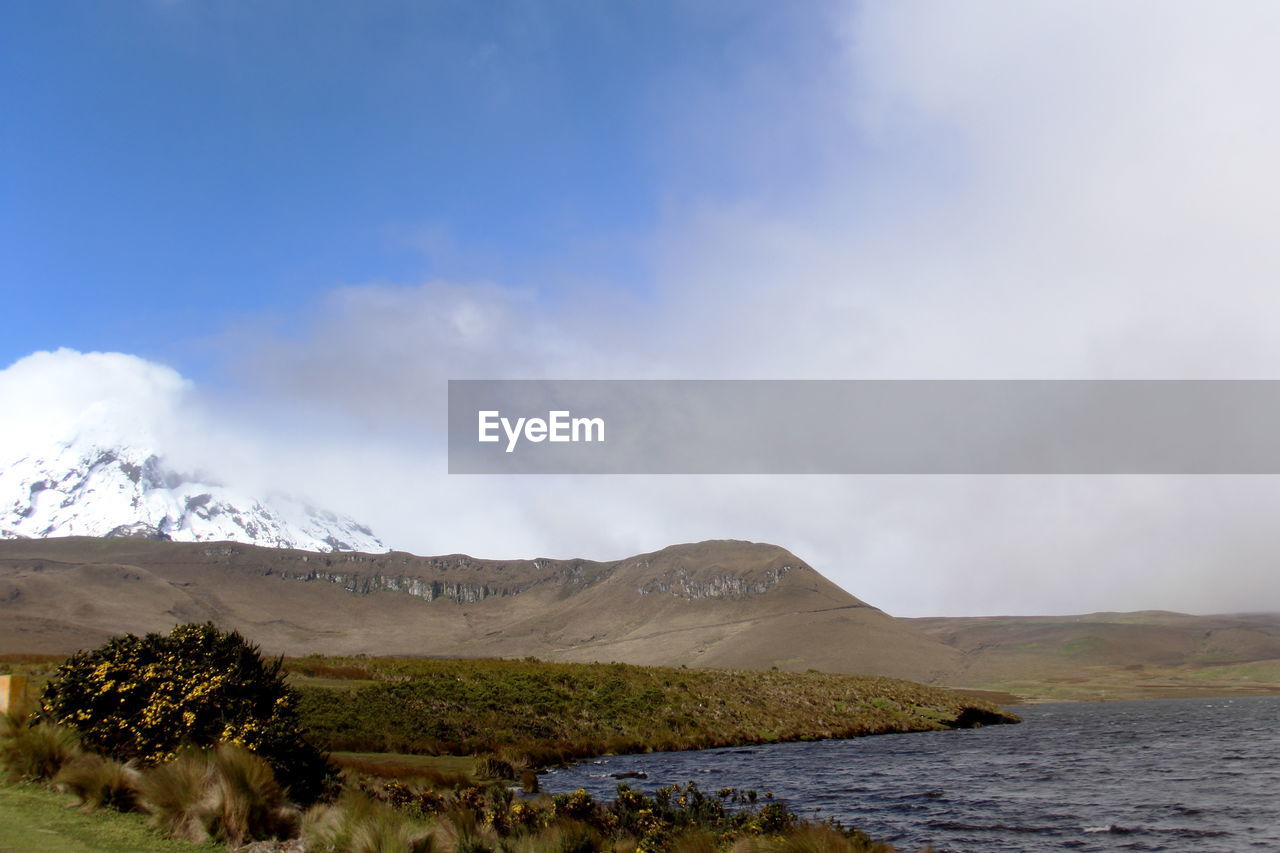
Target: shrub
point(465, 834)
point(142, 698)
point(492, 767)
point(579, 806)
point(226, 794)
point(34, 753)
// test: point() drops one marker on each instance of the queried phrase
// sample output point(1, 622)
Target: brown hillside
point(720, 603)
point(1114, 655)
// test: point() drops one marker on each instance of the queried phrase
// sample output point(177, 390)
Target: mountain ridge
point(91, 486)
point(720, 603)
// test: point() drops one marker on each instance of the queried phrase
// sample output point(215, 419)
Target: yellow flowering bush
point(142, 698)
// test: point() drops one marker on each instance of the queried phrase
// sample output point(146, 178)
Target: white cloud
point(52, 396)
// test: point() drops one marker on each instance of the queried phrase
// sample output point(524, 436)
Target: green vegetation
point(438, 769)
point(229, 795)
point(225, 794)
point(142, 698)
point(198, 734)
point(31, 753)
point(36, 820)
point(491, 819)
point(544, 712)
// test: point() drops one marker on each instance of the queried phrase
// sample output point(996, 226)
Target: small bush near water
point(142, 698)
point(682, 819)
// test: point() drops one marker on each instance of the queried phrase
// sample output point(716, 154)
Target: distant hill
point(724, 604)
point(1114, 655)
point(711, 604)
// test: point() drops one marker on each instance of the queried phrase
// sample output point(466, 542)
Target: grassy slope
point(36, 820)
point(1142, 655)
point(470, 706)
point(715, 604)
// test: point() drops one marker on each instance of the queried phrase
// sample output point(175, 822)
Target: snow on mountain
point(88, 486)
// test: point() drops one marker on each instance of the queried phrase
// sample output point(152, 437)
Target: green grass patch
point(1263, 672)
point(1079, 647)
point(549, 712)
point(36, 820)
point(392, 765)
point(329, 683)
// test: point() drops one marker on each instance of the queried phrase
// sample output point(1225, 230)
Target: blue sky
point(171, 167)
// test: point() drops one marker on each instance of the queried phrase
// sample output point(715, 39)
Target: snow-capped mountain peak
point(90, 487)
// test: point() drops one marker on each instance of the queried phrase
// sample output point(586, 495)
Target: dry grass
point(227, 794)
point(357, 824)
point(34, 753)
point(100, 782)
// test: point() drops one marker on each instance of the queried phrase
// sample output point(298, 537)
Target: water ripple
point(1166, 775)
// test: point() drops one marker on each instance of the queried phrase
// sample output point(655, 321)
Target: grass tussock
point(35, 752)
point(493, 767)
point(226, 794)
point(100, 782)
point(358, 824)
point(566, 836)
point(462, 831)
point(694, 840)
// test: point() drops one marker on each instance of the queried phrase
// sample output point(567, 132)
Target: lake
point(1173, 774)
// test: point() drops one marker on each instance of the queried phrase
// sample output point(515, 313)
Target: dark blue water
point(1184, 775)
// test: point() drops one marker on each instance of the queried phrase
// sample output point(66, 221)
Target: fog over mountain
point(89, 488)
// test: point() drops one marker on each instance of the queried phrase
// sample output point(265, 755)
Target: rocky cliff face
point(428, 590)
point(430, 580)
point(684, 584)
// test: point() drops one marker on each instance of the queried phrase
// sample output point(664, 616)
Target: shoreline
point(1112, 692)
